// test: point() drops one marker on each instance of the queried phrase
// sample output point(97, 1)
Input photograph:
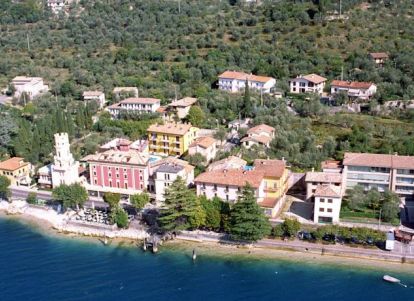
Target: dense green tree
point(248, 222)
point(247, 107)
point(182, 209)
point(290, 227)
point(112, 199)
point(355, 198)
point(390, 206)
point(70, 196)
point(196, 116)
point(140, 200)
point(32, 198)
point(119, 217)
point(4, 187)
point(212, 209)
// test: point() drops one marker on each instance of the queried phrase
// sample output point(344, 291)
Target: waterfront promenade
point(401, 252)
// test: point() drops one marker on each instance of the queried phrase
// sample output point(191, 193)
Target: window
point(215, 186)
point(166, 176)
point(329, 209)
point(125, 176)
point(117, 175)
point(117, 184)
point(110, 183)
point(227, 197)
point(126, 185)
point(322, 200)
point(94, 173)
point(313, 190)
point(110, 175)
point(227, 188)
point(330, 201)
point(96, 181)
point(321, 209)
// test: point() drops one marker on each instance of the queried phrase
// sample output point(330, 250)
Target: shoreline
point(217, 249)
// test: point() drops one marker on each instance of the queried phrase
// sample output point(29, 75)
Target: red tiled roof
point(327, 191)
point(232, 177)
point(162, 109)
point(271, 168)
point(331, 164)
point(170, 128)
point(261, 128)
point(184, 102)
point(379, 55)
point(378, 160)
point(351, 85)
point(244, 76)
point(313, 78)
point(204, 142)
point(323, 177)
point(269, 202)
point(12, 164)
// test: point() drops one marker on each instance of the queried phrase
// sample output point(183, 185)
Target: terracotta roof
point(244, 76)
point(140, 100)
point(162, 109)
point(231, 162)
point(259, 139)
point(323, 177)
point(13, 164)
point(313, 78)
point(261, 128)
point(271, 168)
point(204, 142)
point(269, 202)
point(378, 160)
point(331, 164)
point(379, 55)
point(232, 177)
point(170, 128)
point(92, 93)
point(327, 191)
point(184, 102)
point(351, 85)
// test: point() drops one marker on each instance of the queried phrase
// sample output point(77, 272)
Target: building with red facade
point(121, 169)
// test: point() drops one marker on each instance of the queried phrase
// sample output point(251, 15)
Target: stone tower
point(64, 168)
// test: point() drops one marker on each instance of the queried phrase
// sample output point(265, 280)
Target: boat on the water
point(391, 279)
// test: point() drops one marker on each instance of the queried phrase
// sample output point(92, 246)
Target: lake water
point(34, 266)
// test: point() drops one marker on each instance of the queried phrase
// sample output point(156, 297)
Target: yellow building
point(171, 139)
point(276, 184)
point(16, 170)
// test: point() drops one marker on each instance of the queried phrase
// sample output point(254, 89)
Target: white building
point(30, 86)
point(45, 176)
point(134, 105)
point(165, 172)
point(206, 146)
point(311, 83)
point(234, 81)
point(65, 170)
point(96, 96)
point(182, 106)
point(327, 204)
point(380, 171)
point(227, 184)
point(259, 135)
point(361, 90)
point(315, 179)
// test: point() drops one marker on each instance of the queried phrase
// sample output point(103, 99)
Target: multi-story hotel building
point(120, 169)
point(268, 178)
point(134, 105)
point(380, 171)
point(171, 139)
point(234, 81)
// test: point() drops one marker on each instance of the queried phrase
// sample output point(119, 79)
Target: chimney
point(313, 169)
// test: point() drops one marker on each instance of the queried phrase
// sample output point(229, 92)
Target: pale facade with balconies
point(134, 105)
point(311, 83)
point(233, 81)
point(392, 172)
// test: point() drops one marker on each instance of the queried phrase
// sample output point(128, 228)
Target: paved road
point(401, 250)
point(22, 192)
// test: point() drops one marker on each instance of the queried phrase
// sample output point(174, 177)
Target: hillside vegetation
point(161, 48)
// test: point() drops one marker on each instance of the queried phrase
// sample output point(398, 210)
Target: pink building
point(120, 169)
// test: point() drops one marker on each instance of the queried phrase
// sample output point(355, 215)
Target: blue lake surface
point(34, 266)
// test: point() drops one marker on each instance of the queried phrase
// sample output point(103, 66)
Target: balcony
point(164, 147)
point(271, 189)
